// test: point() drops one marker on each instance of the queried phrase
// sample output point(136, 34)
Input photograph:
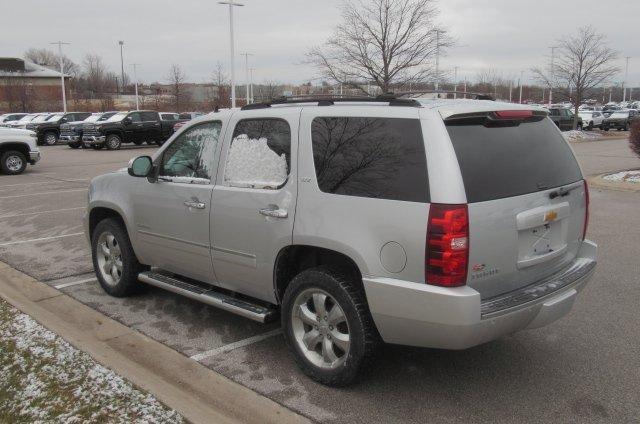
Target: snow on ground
point(252, 163)
point(577, 135)
point(624, 176)
point(44, 379)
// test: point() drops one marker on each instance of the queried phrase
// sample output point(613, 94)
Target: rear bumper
point(456, 318)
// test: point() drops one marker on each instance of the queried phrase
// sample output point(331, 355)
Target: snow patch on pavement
point(624, 176)
point(577, 135)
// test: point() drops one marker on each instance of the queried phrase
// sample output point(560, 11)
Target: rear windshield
point(505, 161)
point(382, 158)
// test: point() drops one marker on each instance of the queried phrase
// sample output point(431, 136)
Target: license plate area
point(542, 234)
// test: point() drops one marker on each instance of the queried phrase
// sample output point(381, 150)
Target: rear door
point(254, 199)
point(526, 200)
point(151, 125)
point(135, 130)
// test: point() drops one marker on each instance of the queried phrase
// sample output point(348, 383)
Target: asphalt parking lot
point(584, 368)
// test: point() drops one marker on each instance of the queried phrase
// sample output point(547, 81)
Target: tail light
point(586, 210)
point(447, 249)
point(513, 114)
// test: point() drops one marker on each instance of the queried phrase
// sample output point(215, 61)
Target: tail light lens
point(447, 250)
point(586, 210)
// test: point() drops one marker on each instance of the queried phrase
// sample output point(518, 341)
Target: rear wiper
point(562, 192)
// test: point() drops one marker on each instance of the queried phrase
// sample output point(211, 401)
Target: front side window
point(135, 117)
point(193, 153)
point(381, 158)
point(260, 154)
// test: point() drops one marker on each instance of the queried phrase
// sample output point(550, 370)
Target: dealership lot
point(582, 368)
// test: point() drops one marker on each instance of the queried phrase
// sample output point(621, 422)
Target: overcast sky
point(507, 35)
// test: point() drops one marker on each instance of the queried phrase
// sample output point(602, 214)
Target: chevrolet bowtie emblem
point(550, 216)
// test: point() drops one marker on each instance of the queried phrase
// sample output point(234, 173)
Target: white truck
point(17, 149)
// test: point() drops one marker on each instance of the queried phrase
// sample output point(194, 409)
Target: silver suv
point(434, 223)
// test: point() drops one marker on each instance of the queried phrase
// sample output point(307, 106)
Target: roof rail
point(330, 100)
point(475, 96)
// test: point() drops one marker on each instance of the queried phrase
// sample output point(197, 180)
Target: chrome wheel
point(320, 328)
point(113, 143)
point(50, 139)
point(14, 163)
point(109, 258)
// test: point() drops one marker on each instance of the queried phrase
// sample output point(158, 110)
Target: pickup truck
point(48, 130)
point(128, 127)
point(563, 118)
point(71, 132)
point(620, 119)
point(17, 149)
point(10, 117)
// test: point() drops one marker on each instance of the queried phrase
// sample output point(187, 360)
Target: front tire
point(50, 138)
point(327, 325)
point(114, 261)
point(74, 145)
point(113, 142)
point(13, 162)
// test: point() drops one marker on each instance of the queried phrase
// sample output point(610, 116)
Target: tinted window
point(169, 116)
point(192, 154)
point(135, 117)
point(371, 157)
point(185, 116)
point(149, 116)
point(260, 154)
point(506, 161)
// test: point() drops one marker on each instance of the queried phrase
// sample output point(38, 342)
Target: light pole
point(233, 49)
point(135, 78)
point(553, 74)
point(455, 82)
point(624, 83)
point(251, 83)
point(64, 94)
point(246, 68)
point(437, 85)
point(121, 42)
point(520, 84)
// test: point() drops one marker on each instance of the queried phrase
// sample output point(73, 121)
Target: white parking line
point(231, 346)
point(40, 193)
point(11, 243)
point(42, 182)
point(39, 213)
point(75, 283)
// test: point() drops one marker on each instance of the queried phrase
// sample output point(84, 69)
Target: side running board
point(209, 295)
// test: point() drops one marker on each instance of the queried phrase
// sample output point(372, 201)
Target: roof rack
point(330, 100)
point(475, 96)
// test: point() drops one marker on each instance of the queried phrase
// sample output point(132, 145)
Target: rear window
point(506, 161)
point(381, 158)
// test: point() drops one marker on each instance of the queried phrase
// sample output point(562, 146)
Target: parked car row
point(98, 130)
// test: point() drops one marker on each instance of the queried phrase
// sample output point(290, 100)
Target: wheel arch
point(15, 145)
point(293, 259)
point(100, 213)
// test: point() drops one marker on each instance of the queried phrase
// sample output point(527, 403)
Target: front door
point(254, 200)
point(134, 129)
point(172, 214)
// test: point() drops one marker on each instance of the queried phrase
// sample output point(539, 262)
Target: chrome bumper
point(34, 157)
point(457, 318)
point(92, 139)
point(69, 138)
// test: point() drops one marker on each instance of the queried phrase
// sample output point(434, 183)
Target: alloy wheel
point(109, 258)
point(14, 163)
point(320, 328)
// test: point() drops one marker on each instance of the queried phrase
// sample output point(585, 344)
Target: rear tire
point(327, 325)
point(74, 145)
point(113, 142)
point(160, 142)
point(114, 261)
point(138, 142)
point(13, 162)
point(97, 146)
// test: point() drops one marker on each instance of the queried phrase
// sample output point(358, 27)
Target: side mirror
point(126, 121)
point(63, 120)
point(140, 166)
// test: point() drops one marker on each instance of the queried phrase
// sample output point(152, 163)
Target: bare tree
point(95, 75)
point(220, 83)
point(176, 80)
point(583, 62)
point(269, 90)
point(386, 42)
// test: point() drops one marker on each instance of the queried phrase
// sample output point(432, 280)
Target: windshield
point(54, 118)
point(40, 118)
point(27, 118)
point(117, 117)
point(93, 118)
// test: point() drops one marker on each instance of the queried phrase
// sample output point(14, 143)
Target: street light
point(624, 84)
point(246, 68)
point(121, 42)
point(251, 82)
point(553, 74)
point(520, 84)
point(64, 94)
point(233, 53)
point(135, 78)
point(455, 82)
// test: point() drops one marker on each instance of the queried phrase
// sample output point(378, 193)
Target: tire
point(117, 267)
point(13, 162)
point(160, 142)
point(97, 146)
point(138, 142)
point(50, 138)
point(113, 142)
point(74, 145)
point(334, 289)
point(590, 126)
point(579, 126)
point(625, 127)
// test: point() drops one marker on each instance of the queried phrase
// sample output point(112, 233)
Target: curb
point(596, 181)
point(199, 394)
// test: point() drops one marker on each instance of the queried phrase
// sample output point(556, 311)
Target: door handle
point(194, 204)
point(274, 211)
